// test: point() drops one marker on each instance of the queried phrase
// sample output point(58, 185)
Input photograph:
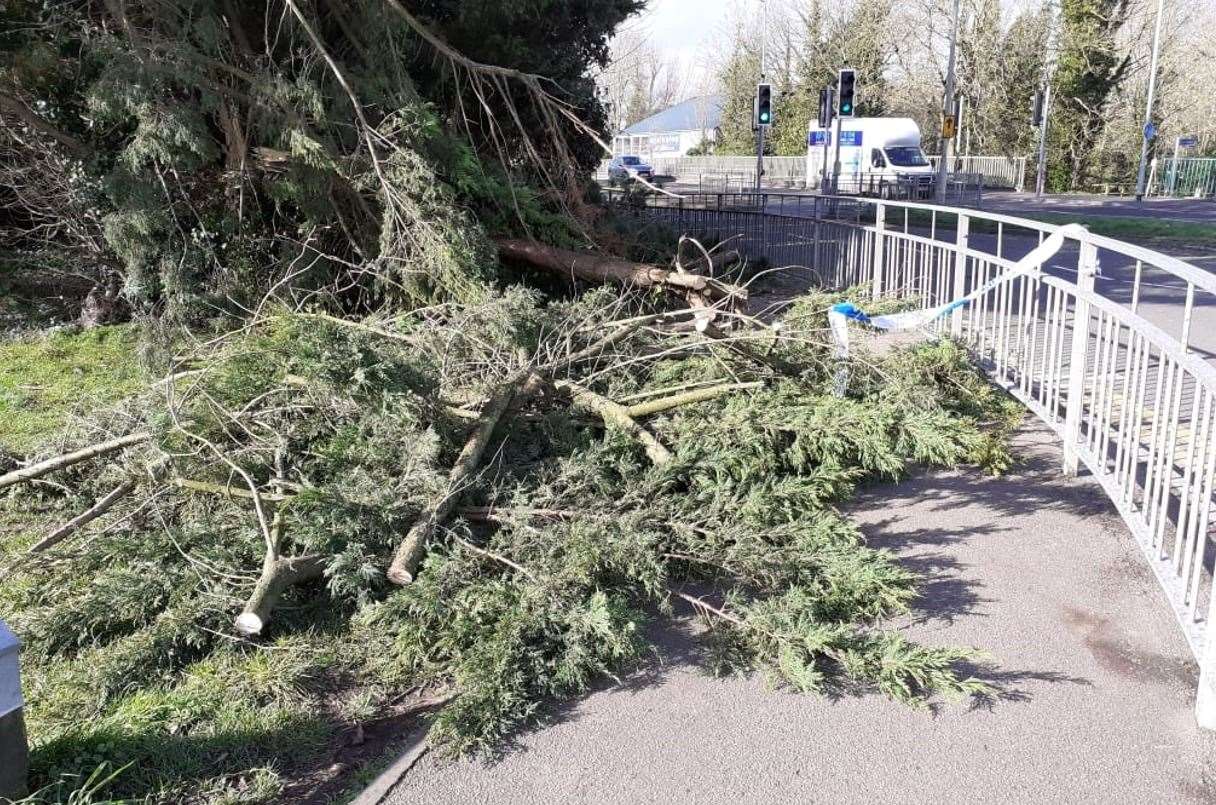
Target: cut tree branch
point(69, 459)
point(411, 550)
point(687, 398)
point(278, 573)
point(617, 415)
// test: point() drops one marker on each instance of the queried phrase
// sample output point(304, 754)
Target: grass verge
point(45, 379)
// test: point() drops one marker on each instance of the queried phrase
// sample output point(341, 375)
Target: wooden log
point(66, 460)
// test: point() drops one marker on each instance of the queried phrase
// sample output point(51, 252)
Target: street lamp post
point(943, 166)
point(1148, 109)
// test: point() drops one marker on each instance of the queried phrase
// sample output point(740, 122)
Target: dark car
point(624, 169)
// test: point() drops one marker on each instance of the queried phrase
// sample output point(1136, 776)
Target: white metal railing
point(1118, 363)
point(997, 171)
point(1125, 391)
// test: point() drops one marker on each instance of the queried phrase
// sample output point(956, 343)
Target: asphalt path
point(1093, 682)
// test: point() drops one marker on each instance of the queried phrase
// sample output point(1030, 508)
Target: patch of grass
point(1137, 230)
point(43, 380)
point(229, 728)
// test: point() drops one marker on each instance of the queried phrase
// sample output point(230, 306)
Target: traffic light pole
point(759, 155)
point(836, 162)
point(943, 166)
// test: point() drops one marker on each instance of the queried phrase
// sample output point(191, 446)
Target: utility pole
point(1149, 132)
point(1040, 182)
point(827, 112)
point(943, 166)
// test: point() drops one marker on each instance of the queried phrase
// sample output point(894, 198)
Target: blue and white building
point(674, 131)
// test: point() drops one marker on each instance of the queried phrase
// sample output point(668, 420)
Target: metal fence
point(1119, 365)
point(1005, 173)
point(790, 172)
point(1184, 177)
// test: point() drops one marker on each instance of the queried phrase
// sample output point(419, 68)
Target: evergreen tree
point(859, 38)
point(738, 81)
point(1091, 66)
point(1023, 59)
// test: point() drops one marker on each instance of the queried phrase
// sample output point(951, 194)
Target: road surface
point(1173, 209)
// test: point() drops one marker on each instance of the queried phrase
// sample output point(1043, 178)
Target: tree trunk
point(598, 268)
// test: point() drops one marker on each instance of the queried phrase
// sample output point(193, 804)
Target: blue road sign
point(1150, 131)
point(1188, 141)
point(850, 138)
point(819, 138)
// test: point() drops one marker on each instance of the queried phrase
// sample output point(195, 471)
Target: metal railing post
point(1205, 698)
point(880, 219)
point(962, 241)
point(1087, 269)
point(14, 748)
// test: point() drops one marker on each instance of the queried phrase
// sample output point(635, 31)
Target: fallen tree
point(381, 469)
point(600, 268)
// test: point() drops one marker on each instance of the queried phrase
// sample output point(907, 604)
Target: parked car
point(624, 169)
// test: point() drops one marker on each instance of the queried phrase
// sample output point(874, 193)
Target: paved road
point(1192, 210)
point(1094, 679)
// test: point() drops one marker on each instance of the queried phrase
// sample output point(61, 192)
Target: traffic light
point(847, 84)
point(825, 108)
point(764, 104)
point(1037, 115)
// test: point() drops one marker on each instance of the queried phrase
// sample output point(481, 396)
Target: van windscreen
point(906, 156)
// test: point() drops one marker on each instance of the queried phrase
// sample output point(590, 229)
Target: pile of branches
point(365, 429)
point(496, 498)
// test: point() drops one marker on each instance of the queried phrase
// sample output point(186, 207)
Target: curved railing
point(1109, 343)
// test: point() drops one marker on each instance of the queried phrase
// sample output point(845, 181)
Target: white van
point(879, 156)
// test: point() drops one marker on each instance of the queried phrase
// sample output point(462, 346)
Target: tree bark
point(84, 518)
point(598, 268)
point(75, 457)
point(13, 107)
point(687, 398)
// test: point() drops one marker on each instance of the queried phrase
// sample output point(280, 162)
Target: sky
point(684, 29)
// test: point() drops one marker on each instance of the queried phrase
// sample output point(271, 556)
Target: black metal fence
point(767, 229)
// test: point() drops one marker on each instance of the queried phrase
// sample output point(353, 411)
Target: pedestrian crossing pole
point(1149, 131)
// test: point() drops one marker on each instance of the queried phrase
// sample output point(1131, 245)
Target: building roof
point(694, 114)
